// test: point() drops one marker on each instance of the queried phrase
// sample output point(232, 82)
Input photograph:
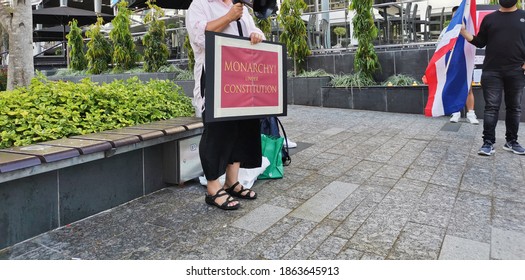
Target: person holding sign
point(225, 146)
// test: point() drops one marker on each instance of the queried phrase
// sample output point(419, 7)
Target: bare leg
point(232, 173)
point(470, 101)
point(232, 176)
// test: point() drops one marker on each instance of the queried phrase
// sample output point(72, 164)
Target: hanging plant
point(294, 34)
point(75, 43)
point(155, 49)
point(99, 49)
point(365, 31)
point(125, 55)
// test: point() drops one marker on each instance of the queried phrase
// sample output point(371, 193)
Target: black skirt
point(226, 142)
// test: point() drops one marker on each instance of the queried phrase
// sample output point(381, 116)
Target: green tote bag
point(271, 149)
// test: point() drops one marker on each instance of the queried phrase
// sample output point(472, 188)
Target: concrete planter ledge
point(51, 184)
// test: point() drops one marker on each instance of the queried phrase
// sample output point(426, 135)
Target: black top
point(503, 34)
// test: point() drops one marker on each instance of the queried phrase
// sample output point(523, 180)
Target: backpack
point(270, 126)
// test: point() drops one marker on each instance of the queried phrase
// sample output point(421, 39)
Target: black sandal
point(243, 193)
point(210, 199)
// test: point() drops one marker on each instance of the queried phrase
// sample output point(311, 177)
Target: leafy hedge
point(48, 110)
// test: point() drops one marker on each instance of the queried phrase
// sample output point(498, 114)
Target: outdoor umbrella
point(49, 34)
point(63, 15)
point(166, 4)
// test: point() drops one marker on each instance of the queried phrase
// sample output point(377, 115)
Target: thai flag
point(449, 72)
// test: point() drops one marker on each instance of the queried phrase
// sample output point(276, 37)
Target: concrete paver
point(362, 185)
point(456, 248)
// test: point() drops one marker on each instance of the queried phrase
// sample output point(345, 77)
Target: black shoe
point(515, 147)
point(487, 149)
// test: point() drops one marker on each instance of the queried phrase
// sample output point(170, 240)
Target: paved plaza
point(362, 185)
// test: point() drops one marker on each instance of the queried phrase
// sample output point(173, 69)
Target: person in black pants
point(225, 146)
point(503, 34)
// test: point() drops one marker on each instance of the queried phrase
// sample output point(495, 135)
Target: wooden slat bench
point(51, 184)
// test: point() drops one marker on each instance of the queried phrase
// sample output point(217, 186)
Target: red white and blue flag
point(449, 72)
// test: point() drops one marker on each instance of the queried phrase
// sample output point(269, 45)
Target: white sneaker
point(290, 144)
point(471, 118)
point(455, 117)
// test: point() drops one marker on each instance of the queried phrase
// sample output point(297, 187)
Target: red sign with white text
point(249, 78)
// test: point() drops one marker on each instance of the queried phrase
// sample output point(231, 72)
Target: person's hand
point(255, 38)
point(465, 33)
point(523, 66)
point(235, 12)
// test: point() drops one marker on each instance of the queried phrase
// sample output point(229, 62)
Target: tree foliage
point(125, 55)
point(191, 55)
point(366, 62)
point(265, 26)
point(156, 51)
point(99, 49)
point(75, 43)
point(294, 34)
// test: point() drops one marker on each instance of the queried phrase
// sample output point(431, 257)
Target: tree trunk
point(18, 21)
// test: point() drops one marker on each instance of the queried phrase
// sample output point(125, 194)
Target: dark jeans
point(493, 84)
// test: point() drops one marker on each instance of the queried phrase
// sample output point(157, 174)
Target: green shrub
point(315, 73)
point(75, 43)
point(155, 49)
point(135, 70)
point(61, 72)
point(365, 32)
point(184, 75)
point(191, 55)
point(294, 34)
point(340, 31)
point(352, 80)
point(49, 110)
point(168, 69)
point(400, 80)
point(99, 49)
point(125, 54)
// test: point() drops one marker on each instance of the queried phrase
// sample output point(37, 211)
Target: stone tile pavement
point(362, 185)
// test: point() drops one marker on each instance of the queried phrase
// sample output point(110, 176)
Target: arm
point(256, 35)
point(469, 37)
point(198, 20)
point(479, 40)
point(221, 23)
point(236, 12)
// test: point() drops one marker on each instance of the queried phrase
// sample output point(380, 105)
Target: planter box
point(409, 99)
point(371, 98)
point(337, 98)
point(307, 90)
